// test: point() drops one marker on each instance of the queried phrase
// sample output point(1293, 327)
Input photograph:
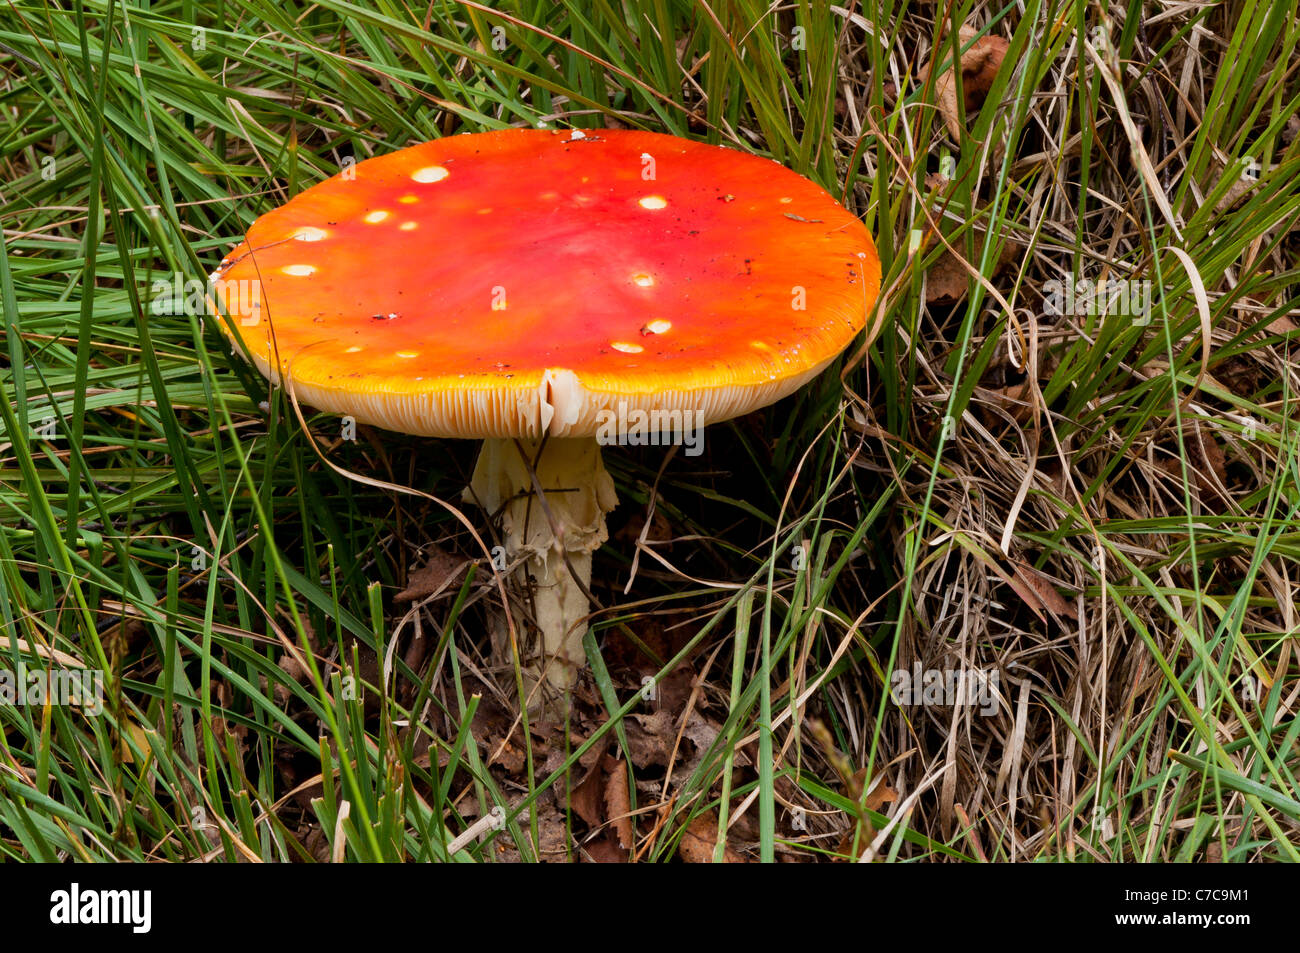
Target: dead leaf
point(585, 800)
point(295, 670)
point(1291, 131)
point(1014, 399)
point(877, 798)
point(979, 68)
point(1281, 325)
point(853, 782)
point(603, 850)
point(936, 181)
point(431, 578)
point(618, 806)
point(509, 756)
point(552, 844)
point(880, 795)
point(946, 280)
point(316, 843)
point(651, 737)
point(1212, 455)
point(699, 840)
point(1039, 592)
point(661, 530)
point(220, 726)
point(674, 689)
point(1241, 187)
point(1206, 463)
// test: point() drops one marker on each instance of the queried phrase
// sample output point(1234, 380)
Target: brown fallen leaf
point(1281, 325)
point(936, 181)
point(221, 727)
point(699, 840)
point(434, 576)
point(1238, 189)
point(650, 738)
point(507, 754)
point(1039, 592)
point(1211, 454)
point(1207, 464)
point(979, 68)
point(603, 850)
point(295, 670)
point(661, 530)
point(853, 782)
point(552, 844)
point(618, 806)
point(1291, 131)
point(946, 280)
point(877, 797)
point(585, 798)
point(1014, 399)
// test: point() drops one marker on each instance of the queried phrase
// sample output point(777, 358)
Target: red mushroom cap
point(519, 282)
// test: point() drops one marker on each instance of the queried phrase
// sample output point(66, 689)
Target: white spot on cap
point(627, 348)
point(309, 233)
point(353, 349)
point(408, 226)
point(408, 354)
point(785, 200)
point(577, 134)
point(653, 202)
point(430, 173)
point(659, 326)
point(375, 217)
point(643, 280)
point(299, 271)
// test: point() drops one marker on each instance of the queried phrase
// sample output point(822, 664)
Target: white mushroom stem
point(578, 495)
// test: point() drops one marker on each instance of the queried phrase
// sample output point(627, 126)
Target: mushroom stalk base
point(578, 494)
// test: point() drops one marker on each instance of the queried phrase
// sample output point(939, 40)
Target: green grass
point(165, 519)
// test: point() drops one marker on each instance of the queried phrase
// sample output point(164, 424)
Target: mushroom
point(549, 292)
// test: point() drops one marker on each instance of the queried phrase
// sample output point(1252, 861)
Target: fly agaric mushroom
point(547, 291)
